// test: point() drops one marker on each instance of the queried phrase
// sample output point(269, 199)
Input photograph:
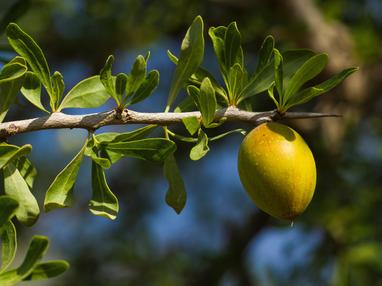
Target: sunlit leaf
point(104, 202)
point(31, 90)
point(201, 148)
point(88, 93)
point(8, 245)
point(46, 270)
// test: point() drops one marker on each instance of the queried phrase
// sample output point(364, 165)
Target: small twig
point(96, 120)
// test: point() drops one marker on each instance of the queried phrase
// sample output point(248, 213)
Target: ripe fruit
point(277, 170)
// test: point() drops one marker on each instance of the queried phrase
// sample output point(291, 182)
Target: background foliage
point(220, 238)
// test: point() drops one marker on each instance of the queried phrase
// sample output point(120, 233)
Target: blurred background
point(220, 238)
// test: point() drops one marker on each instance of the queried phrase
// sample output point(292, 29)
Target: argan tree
point(196, 100)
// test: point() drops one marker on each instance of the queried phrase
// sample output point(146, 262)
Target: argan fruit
point(277, 169)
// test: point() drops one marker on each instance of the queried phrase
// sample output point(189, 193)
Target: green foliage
point(282, 74)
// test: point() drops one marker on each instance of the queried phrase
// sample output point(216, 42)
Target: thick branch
point(96, 120)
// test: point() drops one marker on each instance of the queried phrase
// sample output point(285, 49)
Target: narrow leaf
point(278, 63)
point(265, 53)
point(207, 101)
point(147, 87)
point(152, 149)
point(107, 80)
point(103, 203)
point(46, 270)
point(58, 88)
point(176, 195)
point(15, 186)
point(310, 92)
point(11, 80)
point(88, 93)
point(60, 192)
point(190, 58)
point(36, 250)
point(232, 42)
point(217, 36)
point(26, 47)
point(120, 84)
point(307, 71)
point(136, 76)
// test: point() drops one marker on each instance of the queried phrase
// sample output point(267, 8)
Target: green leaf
point(147, 87)
point(46, 270)
point(310, 92)
point(88, 93)
point(151, 149)
point(187, 104)
point(176, 195)
point(265, 53)
point(207, 101)
point(8, 245)
point(15, 186)
point(134, 135)
point(201, 148)
point(278, 62)
point(136, 76)
point(11, 80)
point(307, 71)
point(232, 47)
point(272, 95)
point(58, 88)
point(236, 81)
point(190, 58)
point(8, 207)
point(37, 249)
point(217, 36)
point(60, 192)
point(103, 203)
point(8, 153)
point(220, 136)
point(27, 171)
point(107, 79)
point(192, 124)
point(199, 75)
point(262, 80)
point(120, 84)
point(31, 90)
point(26, 47)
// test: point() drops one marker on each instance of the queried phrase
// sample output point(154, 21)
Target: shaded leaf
point(8, 207)
point(278, 63)
point(46, 270)
point(8, 245)
point(310, 92)
point(147, 87)
point(120, 84)
point(58, 87)
point(307, 71)
point(107, 80)
point(265, 53)
point(136, 76)
point(232, 47)
point(27, 171)
point(176, 195)
point(152, 149)
point(103, 203)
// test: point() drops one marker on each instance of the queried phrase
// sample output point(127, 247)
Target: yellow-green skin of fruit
point(277, 169)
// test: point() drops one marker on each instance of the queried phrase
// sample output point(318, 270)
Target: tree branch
point(96, 120)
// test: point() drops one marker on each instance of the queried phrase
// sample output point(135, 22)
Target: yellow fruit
point(277, 170)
